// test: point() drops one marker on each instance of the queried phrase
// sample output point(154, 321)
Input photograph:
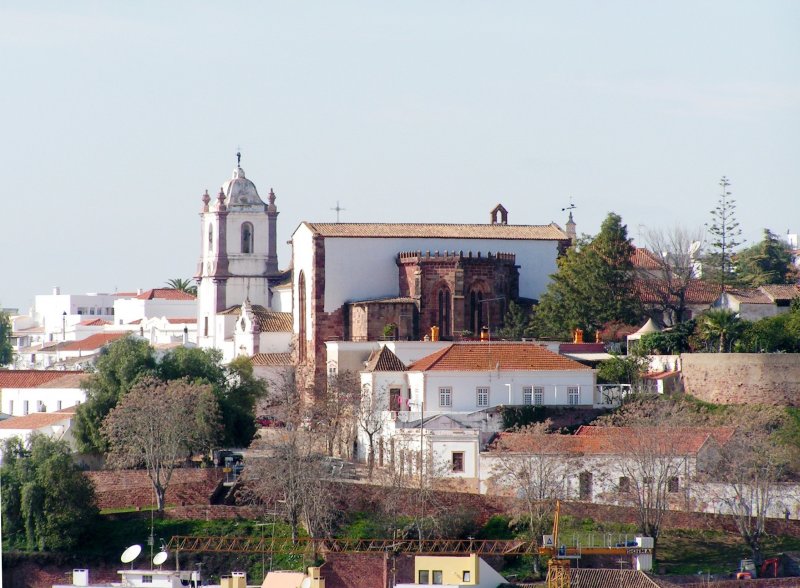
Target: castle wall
point(743, 378)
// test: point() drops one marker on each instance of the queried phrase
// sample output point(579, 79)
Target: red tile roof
point(383, 360)
point(165, 294)
point(37, 420)
point(645, 259)
point(482, 356)
point(653, 291)
point(439, 231)
point(590, 440)
point(272, 359)
point(92, 342)
point(766, 294)
point(94, 322)
point(182, 321)
point(32, 378)
point(268, 321)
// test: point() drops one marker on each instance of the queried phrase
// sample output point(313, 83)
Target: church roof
point(383, 360)
point(268, 321)
point(239, 191)
point(483, 356)
point(551, 232)
point(272, 359)
point(164, 294)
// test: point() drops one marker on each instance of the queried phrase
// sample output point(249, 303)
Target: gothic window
point(210, 238)
point(476, 321)
point(443, 317)
point(301, 310)
point(247, 238)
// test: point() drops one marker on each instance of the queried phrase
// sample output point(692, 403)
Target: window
point(458, 461)
point(466, 576)
point(624, 486)
point(483, 396)
point(10, 407)
point(210, 237)
point(647, 480)
point(585, 486)
point(574, 394)
point(58, 405)
point(24, 407)
point(147, 579)
point(527, 395)
point(205, 327)
point(538, 395)
point(247, 238)
point(443, 321)
point(673, 485)
point(437, 577)
point(445, 396)
point(424, 577)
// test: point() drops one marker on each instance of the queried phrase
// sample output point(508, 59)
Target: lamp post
point(489, 313)
point(64, 326)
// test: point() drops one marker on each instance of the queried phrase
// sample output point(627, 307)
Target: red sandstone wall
point(132, 488)
point(743, 378)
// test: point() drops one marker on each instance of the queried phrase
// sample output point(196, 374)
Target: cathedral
point(356, 281)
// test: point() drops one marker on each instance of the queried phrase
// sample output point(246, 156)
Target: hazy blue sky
point(117, 115)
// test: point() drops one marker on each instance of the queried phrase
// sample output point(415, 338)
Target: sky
point(116, 116)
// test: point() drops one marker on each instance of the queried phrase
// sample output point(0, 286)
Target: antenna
point(131, 554)
point(160, 558)
point(338, 209)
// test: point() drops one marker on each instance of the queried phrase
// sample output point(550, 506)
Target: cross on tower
point(238, 157)
point(338, 209)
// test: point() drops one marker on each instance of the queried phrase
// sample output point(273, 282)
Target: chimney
point(56, 291)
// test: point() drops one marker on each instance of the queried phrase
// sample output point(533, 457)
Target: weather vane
point(238, 157)
point(571, 206)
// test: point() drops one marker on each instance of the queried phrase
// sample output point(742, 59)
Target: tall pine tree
point(593, 285)
point(725, 237)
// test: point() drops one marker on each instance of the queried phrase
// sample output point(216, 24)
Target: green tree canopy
point(125, 362)
point(183, 285)
point(516, 323)
point(720, 328)
point(767, 262)
point(593, 285)
point(673, 341)
point(120, 365)
point(48, 504)
point(725, 236)
point(6, 351)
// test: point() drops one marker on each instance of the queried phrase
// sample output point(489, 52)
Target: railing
point(611, 394)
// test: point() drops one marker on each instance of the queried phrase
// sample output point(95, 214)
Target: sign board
point(639, 550)
point(547, 541)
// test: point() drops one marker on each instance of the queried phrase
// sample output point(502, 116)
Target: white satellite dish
point(306, 583)
point(131, 553)
point(160, 558)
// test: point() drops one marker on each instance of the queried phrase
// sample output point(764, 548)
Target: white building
point(155, 303)
point(57, 425)
point(56, 312)
point(29, 391)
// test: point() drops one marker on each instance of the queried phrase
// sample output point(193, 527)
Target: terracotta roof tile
point(37, 420)
point(750, 295)
point(550, 232)
point(383, 360)
point(645, 259)
point(781, 291)
point(33, 378)
point(653, 291)
point(591, 440)
point(388, 300)
point(94, 323)
point(481, 356)
point(92, 342)
point(164, 294)
point(272, 359)
point(268, 321)
point(182, 321)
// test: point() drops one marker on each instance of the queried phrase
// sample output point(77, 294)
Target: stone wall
point(132, 488)
point(743, 378)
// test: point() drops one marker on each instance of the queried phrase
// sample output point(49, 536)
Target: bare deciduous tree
point(675, 253)
point(294, 479)
point(370, 419)
point(158, 424)
point(335, 410)
point(533, 467)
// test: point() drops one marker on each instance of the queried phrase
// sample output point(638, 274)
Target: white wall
point(302, 260)
point(36, 397)
point(364, 268)
point(464, 387)
point(127, 310)
point(49, 310)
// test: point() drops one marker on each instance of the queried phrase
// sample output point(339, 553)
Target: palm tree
point(183, 285)
point(721, 324)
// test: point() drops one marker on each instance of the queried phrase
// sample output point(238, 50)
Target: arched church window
point(476, 320)
point(210, 237)
point(443, 319)
point(247, 238)
point(301, 310)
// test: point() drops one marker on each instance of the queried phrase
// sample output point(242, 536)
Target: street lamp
point(489, 314)
point(64, 326)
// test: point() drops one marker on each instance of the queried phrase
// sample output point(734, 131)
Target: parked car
point(269, 421)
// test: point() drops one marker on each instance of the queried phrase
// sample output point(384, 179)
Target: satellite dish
point(306, 583)
point(131, 553)
point(160, 558)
